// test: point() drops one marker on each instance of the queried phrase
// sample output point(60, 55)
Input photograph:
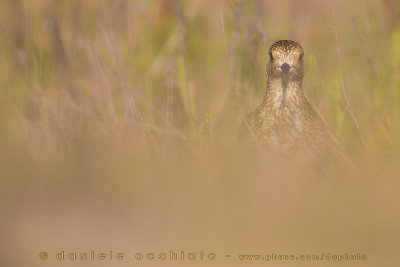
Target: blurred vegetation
point(135, 105)
point(115, 88)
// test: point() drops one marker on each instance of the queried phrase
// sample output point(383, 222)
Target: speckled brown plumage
point(286, 120)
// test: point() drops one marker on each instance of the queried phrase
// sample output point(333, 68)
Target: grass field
point(120, 118)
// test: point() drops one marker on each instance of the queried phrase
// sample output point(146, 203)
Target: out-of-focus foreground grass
point(128, 110)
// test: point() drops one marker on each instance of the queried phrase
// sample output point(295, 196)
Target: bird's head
point(286, 60)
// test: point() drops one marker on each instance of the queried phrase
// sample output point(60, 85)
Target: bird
point(286, 121)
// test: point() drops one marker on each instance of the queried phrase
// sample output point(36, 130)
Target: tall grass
point(138, 102)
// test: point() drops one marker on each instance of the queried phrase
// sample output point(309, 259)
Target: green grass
point(139, 102)
point(78, 70)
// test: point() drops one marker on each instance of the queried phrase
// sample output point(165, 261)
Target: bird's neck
point(284, 93)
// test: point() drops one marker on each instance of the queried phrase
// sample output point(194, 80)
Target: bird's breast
point(285, 126)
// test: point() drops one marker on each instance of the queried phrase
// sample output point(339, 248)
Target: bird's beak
point(285, 68)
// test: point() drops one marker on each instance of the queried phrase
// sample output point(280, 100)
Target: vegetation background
point(118, 125)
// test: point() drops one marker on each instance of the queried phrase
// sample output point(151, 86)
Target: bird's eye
point(270, 56)
point(301, 57)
